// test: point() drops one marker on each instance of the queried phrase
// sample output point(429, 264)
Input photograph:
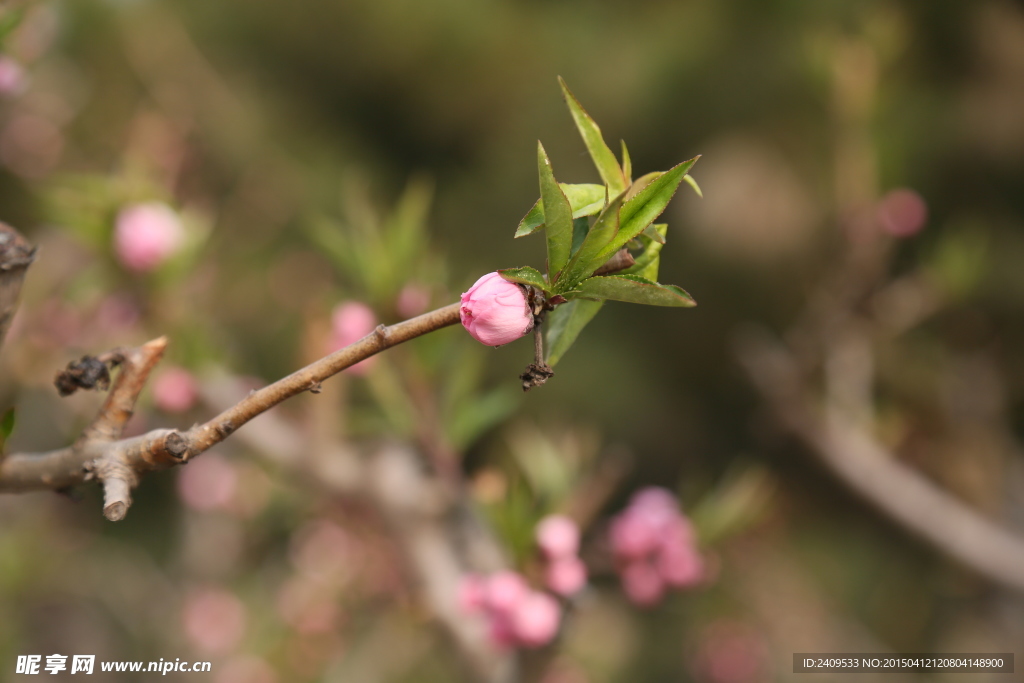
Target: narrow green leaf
point(645, 206)
point(648, 261)
point(603, 157)
point(635, 290)
point(557, 215)
point(627, 165)
point(693, 183)
point(565, 323)
point(580, 228)
point(656, 232)
point(526, 276)
point(584, 262)
point(532, 221)
point(585, 199)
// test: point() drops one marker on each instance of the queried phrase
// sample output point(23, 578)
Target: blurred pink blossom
point(350, 322)
point(558, 536)
point(494, 311)
point(175, 390)
point(642, 583)
point(516, 615)
point(472, 593)
point(208, 483)
point(504, 590)
point(12, 77)
point(213, 620)
point(412, 300)
point(566, 575)
point(902, 212)
point(655, 547)
point(146, 235)
point(536, 619)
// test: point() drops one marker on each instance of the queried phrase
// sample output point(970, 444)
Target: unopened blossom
point(175, 390)
point(146, 235)
point(558, 536)
point(565, 575)
point(494, 311)
point(642, 583)
point(516, 615)
point(655, 547)
point(350, 322)
point(535, 619)
point(504, 590)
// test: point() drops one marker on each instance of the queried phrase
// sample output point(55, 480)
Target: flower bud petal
point(494, 311)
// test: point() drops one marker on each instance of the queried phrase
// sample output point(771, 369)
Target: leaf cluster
point(587, 225)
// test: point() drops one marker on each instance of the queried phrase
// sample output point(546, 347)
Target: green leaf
point(645, 206)
point(627, 165)
point(693, 183)
point(532, 221)
point(635, 290)
point(649, 259)
point(6, 426)
point(585, 199)
point(656, 232)
point(526, 276)
point(557, 215)
point(580, 229)
point(585, 261)
point(603, 157)
point(565, 324)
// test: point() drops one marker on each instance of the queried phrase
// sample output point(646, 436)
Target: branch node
point(316, 387)
point(382, 333)
point(226, 428)
point(176, 445)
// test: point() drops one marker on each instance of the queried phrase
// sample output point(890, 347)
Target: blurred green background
point(262, 121)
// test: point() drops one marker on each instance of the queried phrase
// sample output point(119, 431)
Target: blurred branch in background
point(874, 473)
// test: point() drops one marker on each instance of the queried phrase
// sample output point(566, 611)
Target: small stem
point(538, 341)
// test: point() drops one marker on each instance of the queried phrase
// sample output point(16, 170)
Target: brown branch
point(99, 454)
point(16, 256)
point(874, 473)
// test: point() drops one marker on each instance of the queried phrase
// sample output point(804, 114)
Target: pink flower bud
point(350, 322)
point(412, 300)
point(494, 311)
point(504, 590)
point(654, 499)
point(902, 213)
point(146, 235)
point(633, 535)
point(175, 390)
point(12, 77)
point(471, 593)
point(679, 564)
point(536, 619)
point(558, 536)
point(566, 575)
point(642, 583)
